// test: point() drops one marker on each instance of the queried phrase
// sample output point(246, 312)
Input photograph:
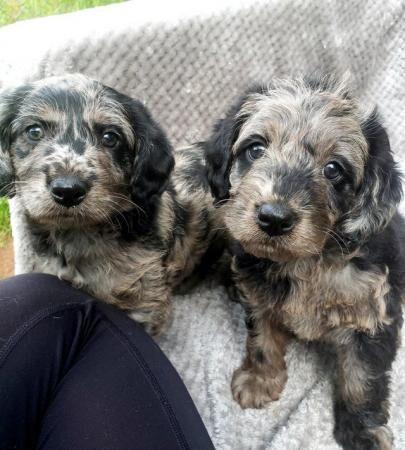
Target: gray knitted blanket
point(187, 62)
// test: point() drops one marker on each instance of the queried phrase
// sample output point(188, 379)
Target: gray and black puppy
point(92, 175)
point(309, 193)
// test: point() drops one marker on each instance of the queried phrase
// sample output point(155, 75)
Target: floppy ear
point(380, 191)
point(154, 160)
point(6, 175)
point(218, 148)
point(218, 156)
point(10, 101)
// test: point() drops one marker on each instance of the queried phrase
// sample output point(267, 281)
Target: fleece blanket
point(186, 61)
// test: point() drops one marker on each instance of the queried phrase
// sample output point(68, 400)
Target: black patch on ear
point(218, 148)
point(153, 160)
point(6, 176)
point(381, 189)
point(10, 102)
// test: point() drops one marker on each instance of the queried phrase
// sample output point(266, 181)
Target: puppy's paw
point(382, 437)
point(360, 438)
point(153, 328)
point(154, 322)
point(255, 390)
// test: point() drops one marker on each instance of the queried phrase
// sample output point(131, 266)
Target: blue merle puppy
point(92, 175)
point(309, 191)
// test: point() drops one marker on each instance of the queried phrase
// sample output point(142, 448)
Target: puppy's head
point(79, 152)
point(298, 166)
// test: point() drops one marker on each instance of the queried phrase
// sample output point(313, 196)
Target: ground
point(6, 259)
point(6, 248)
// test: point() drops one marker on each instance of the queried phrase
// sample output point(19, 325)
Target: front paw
point(153, 321)
point(252, 389)
point(352, 435)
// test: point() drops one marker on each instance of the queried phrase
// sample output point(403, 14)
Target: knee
point(34, 291)
point(25, 281)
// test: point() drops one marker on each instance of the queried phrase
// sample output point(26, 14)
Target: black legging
point(77, 374)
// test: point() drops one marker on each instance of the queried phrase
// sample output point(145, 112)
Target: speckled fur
point(338, 276)
point(142, 227)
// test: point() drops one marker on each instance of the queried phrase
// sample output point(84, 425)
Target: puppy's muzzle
point(275, 219)
point(68, 191)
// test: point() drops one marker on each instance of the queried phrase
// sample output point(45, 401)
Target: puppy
point(308, 189)
point(91, 173)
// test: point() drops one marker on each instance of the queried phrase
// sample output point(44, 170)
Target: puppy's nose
point(275, 218)
point(68, 191)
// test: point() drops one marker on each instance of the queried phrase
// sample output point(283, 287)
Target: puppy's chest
point(75, 257)
point(94, 262)
point(320, 300)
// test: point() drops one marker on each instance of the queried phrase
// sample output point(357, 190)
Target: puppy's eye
point(110, 139)
point(333, 170)
point(34, 133)
point(255, 151)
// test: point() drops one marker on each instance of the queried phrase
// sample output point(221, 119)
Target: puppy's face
point(297, 164)
point(80, 151)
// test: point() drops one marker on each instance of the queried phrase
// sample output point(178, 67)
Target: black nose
point(68, 191)
point(275, 218)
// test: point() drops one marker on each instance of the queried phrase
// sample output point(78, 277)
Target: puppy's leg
point(263, 374)
point(361, 404)
point(147, 298)
point(154, 314)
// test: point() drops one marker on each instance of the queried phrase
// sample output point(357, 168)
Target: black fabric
point(78, 374)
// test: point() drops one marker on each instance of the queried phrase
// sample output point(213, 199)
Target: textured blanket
point(187, 62)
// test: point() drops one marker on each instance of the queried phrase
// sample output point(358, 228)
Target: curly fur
point(141, 229)
point(337, 277)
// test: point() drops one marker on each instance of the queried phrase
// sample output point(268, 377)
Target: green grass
point(5, 231)
point(13, 10)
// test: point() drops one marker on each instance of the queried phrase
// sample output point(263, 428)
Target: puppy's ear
point(10, 102)
point(6, 175)
point(218, 155)
point(218, 148)
point(153, 161)
point(381, 189)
